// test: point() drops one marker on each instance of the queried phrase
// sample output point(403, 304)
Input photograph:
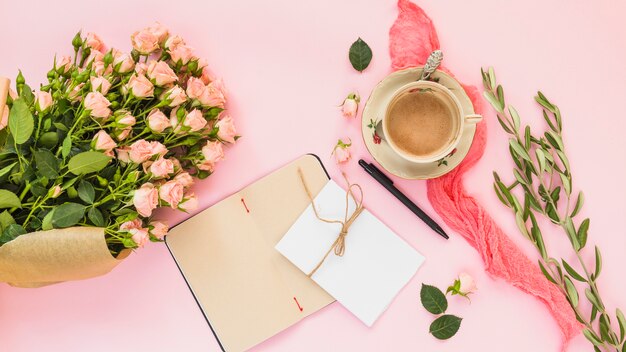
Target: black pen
point(388, 184)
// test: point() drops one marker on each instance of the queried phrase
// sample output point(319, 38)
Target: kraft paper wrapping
point(46, 257)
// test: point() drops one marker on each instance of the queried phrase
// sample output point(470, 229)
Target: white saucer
point(375, 109)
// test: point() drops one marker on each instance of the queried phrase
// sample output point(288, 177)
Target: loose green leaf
point(598, 263)
point(87, 162)
point(68, 214)
point(433, 299)
point(95, 216)
point(579, 204)
point(573, 272)
point(572, 293)
point(21, 123)
point(9, 200)
point(47, 164)
point(582, 232)
point(360, 55)
point(445, 326)
point(86, 192)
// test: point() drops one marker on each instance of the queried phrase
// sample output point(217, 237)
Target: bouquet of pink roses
point(110, 138)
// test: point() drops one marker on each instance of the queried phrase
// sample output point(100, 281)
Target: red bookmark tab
point(244, 205)
point(295, 299)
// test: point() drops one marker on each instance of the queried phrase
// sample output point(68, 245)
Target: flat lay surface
point(285, 65)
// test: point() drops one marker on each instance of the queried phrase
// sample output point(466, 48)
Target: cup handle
point(473, 118)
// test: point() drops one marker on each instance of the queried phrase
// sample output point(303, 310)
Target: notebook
point(246, 289)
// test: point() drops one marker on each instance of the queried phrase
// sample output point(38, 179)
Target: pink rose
point(159, 31)
point(226, 128)
point(194, 120)
point(161, 73)
point(98, 68)
point(75, 94)
point(185, 179)
point(342, 151)
point(43, 100)
point(64, 65)
point(212, 153)
point(95, 56)
point(133, 224)
point(144, 41)
point(56, 191)
point(161, 168)
point(98, 105)
point(350, 105)
point(139, 236)
point(4, 121)
point(157, 148)
point(123, 119)
point(140, 86)
point(217, 94)
point(94, 42)
point(123, 154)
point(207, 75)
point(174, 96)
point(103, 142)
point(196, 89)
point(177, 166)
point(122, 62)
point(189, 203)
point(140, 151)
point(181, 54)
point(159, 229)
point(174, 122)
point(173, 42)
point(146, 199)
point(123, 133)
point(172, 193)
point(141, 68)
point(100, 84)
point(157, 121)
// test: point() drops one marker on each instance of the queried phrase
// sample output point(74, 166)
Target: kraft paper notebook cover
point(226, 253)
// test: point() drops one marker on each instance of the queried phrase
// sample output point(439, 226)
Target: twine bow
point(339, 246)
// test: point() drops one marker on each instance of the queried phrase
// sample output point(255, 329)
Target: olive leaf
point(433, 299)
point(445, 326)
point(360, 55)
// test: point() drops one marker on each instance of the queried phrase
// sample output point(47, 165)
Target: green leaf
point(579, 204)
point(46, 224)
point(594, 313)
point(519, 150)
point(592, 298)
point(5, 170)
point(545, 273)
point(47, 163)
point(21, 123)
point(572, 272)
point(521, 225)
point(10, 233)
point(68, 214)
point(86, 192)
point(582, 232)
point(67, 146)
point(96, 217)
point(9, 200)
point(492, 77)
point(541, 158)
point(605, 327)
point(433, 299)
point(598, 263)
point(622, 324)
point(496, 105)
point(567, 183)
point(515, 116)
point(445, 326)
point(49, 139)
point(87, 162)
point(6, 219)
point(592, 337)
point(572, 293)
point(360, 55)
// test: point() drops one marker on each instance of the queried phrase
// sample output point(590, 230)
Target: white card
point(376, 264)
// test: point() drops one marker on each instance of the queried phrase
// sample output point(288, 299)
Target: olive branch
point(542, 171)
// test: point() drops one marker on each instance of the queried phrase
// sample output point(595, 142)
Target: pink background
point(285, 63)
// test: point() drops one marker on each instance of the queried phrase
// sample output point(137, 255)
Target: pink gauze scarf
point(411, 39)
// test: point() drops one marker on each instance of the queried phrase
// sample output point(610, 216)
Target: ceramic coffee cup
point(406, 141)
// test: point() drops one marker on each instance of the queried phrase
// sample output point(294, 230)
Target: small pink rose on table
point(146, 199)
point(226, 129)
point(464, 285)
point(43, 100)
point(350, 106)
point(97, 105)
point(342, 151)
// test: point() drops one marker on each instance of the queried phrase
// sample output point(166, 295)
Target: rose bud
point(100, 84)
point(342, 151)
point(226, 129)
point(97, 105)
point(463, 285)
point(350, 105)
point(103, 142)
point(157, 121)
point(43, 101)
point(139, 86)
